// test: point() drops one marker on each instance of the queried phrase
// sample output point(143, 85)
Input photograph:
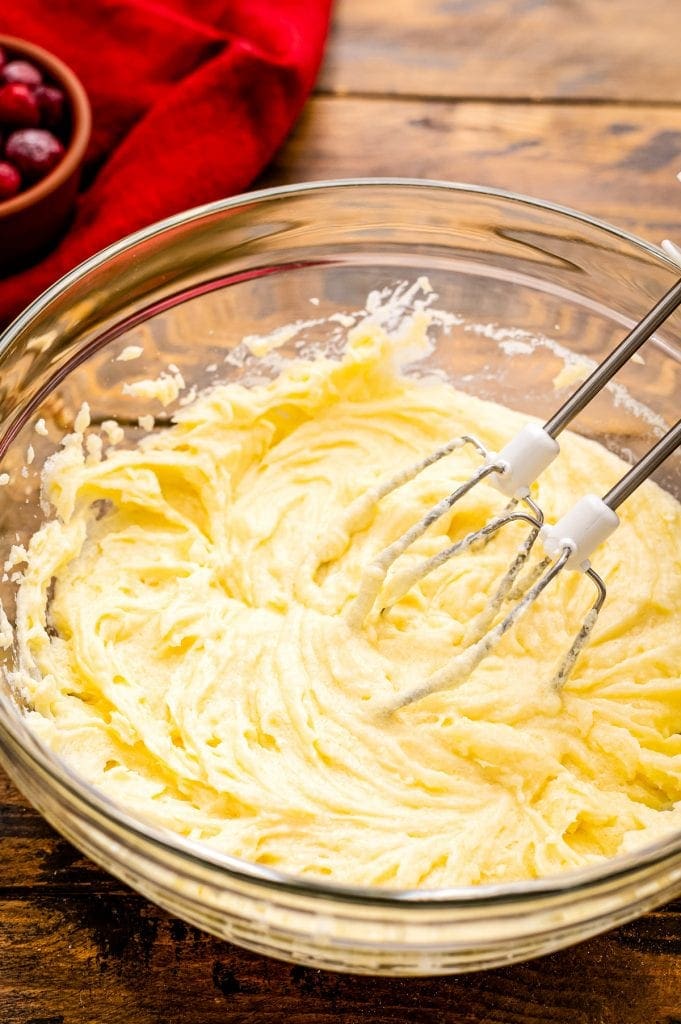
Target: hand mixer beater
point(568, 544)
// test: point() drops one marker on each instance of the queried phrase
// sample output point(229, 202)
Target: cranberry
point(34, 151)
point(21, 71)
point(51, 104)
point(18, 106)
point(10, 180)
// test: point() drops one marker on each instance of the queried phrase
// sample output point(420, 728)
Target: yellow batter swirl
point(185, 644)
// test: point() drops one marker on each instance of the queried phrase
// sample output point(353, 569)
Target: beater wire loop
point(568, 544)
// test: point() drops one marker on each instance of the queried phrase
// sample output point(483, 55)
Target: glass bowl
point(527, 281)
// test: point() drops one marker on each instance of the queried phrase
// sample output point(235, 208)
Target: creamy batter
point(186, 647)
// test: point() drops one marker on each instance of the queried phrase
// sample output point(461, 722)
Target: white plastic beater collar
point(588, 523)
point(672, 250)
point(522, 460)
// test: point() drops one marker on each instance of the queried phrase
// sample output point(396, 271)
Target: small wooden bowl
point(31, 222)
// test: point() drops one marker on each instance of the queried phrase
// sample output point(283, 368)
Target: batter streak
point(182, 624)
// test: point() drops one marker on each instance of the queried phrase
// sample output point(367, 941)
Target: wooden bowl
point(32, 221)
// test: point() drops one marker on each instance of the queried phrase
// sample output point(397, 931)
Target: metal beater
point(568, 544)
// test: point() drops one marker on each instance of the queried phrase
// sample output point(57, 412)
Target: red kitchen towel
point(190, 100)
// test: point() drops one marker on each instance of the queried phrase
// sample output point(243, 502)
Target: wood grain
point(524, 49)
point(78, 946)
point(110, 958)
point(617, 165)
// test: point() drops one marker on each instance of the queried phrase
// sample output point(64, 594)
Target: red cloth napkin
point(190, 100)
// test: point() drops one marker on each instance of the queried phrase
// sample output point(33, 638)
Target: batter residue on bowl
point(184, 644)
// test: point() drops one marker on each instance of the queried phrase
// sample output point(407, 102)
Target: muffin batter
point(185, 646)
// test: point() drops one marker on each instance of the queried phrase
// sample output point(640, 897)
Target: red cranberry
point(10, 180)
point(22, 71)
point(18, 106)
point(51, 104)
point(34, 151)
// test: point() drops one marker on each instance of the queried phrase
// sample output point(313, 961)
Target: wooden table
point(578, 101)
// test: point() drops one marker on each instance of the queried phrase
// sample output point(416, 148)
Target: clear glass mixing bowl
point(522, 275)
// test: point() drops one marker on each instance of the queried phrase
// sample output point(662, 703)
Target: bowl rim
point(200, 855)
point(283, 191)
point(80, 135)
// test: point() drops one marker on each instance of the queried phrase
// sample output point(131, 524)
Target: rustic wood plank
point(617, 165)
point(113, 959)
point(532, 49)
point(34, 857)
point(76, 946)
